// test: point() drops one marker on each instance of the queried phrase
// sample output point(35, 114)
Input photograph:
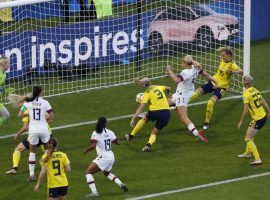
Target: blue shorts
point(162, 117)
point(208, 88)
point(258, 124)
point(58, 191)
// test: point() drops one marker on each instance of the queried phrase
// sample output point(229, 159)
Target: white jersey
point(188, 77)
point(37, 110)
point(104, 143)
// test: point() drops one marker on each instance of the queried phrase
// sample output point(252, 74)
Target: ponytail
point(101, 124)
point(36, 92)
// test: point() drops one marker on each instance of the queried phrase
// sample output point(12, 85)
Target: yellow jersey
point(253, 97)
point(56, 175)
point(26, 119)
point(224, 73)
point(155, 96)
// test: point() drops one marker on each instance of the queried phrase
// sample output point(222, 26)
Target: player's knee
point(211, 102)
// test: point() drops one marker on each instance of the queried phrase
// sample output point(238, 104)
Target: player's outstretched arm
point(22, 130)
point(90, 148)
point(40, 178)
point(138, 111)
point(210, 78)
point(172, 75)
point(245, 111)
point(238, 71)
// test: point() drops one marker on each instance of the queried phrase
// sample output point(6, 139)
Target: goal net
point(72, 47)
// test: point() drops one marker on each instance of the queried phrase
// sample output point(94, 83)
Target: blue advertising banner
point(92, 43)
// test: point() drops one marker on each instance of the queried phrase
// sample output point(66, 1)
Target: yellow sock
point(209, 110)
point(152, 139)
point(138, 127)
point(247, 147)
point(194, 96)
point(16, 158)
point(254, 149)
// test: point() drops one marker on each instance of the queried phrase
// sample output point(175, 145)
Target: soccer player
point(185, 87)
point(101, 140)
point(225, 70)
point(159, 110)
point(255, 104)
point(4, 66)
point(37, 108)
point(55, 163)
point(23, 146)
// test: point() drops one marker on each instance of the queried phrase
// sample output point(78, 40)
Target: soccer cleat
point(128, 137)
point(92, 195)
point(205, 126)
point(256, 162)
point(124, 188)
point(12, 171)
point(202, 137)
point(147, 148)
point(244, 155)
point(31, 179)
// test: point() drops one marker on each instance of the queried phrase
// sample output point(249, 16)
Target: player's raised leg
point(116, 180)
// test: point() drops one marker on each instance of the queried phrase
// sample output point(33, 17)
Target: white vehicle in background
point(196, 24)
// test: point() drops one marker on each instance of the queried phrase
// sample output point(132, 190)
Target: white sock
point(32, 163)
point(113, 178)
point(91, 183)
point(192, 129)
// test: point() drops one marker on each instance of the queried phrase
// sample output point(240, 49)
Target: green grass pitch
point(177, 161)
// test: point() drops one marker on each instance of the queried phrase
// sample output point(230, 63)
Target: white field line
point(200, 186)
point(127, 116)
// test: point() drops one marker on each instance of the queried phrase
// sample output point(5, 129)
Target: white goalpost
point(66, 49)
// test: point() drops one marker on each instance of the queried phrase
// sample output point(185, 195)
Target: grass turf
point(176, 161)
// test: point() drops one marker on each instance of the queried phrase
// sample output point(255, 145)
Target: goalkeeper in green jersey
point(4, 66)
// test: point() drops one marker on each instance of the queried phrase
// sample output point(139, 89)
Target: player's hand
point(215, 86)
point(15, 137)
point(239, 124)
point(85, 151)
point(132, 122)
point(169, 68)
point(36, 188)
point(268, 114)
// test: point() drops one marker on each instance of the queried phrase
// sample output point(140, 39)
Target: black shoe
point(147, 148)
point(124, 188)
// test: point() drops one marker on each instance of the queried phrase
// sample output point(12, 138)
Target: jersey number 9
point(56, 165)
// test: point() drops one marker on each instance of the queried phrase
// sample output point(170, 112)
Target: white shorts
point(104, 164)
point(34, 138)
point(180, 99)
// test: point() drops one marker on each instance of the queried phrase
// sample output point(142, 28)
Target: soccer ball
point(139, 98)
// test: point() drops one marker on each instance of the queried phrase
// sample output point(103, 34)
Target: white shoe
point(92, 195)
point(205, 126)
point(244, 155)
point(256, 162)
point(128, 137)
point(12, 171)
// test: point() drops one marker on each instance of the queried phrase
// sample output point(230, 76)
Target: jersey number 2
point(36, 113)
point(56, 165)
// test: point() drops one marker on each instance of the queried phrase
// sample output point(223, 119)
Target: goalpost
point(139, 39)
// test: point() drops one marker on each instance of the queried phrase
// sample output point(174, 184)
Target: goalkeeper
point(4, 66)
point(225, 70)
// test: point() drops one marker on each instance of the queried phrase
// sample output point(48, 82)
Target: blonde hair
point(225, 49)
point(145, 82)
point(2, 60)
point(247, 79)
point(187, 59)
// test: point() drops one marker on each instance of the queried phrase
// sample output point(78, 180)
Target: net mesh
point(64, 48)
